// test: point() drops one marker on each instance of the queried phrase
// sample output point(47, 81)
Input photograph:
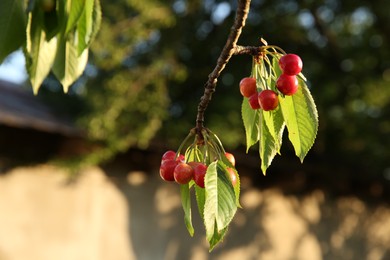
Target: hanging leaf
point(68, 65)
point(220, 205)
point(268, 147)
point(301, 117)
point(39, 53)
point(75, 9)
point(200, 199)
point(51, 24)
point(275, 123)
point(186, 203)
point(250, 119)
point(12, 27)
point(85, 25)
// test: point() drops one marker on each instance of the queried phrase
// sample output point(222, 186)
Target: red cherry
point(180, 158)
point(233, 176)
point(231, 158)
point(194, 164)
point(248, 86)
point(268, 100)
point(183, 173)
point(287, 84)
point(254, 101)
point(166, 170)
point(199, 174)
point(291, 64)
point(168, 155)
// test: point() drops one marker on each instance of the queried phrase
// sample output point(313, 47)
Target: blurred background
point(79, 171)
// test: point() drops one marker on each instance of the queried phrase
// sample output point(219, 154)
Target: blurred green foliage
point(151, 59)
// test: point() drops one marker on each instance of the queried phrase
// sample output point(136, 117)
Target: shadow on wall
point(121, 214)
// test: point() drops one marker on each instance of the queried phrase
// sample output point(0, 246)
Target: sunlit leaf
point(84, 26)
point(275, 124)
point(68, 65)
point(39, 53)
point(220, 205)
point(267, 145)
point(301, 117)
point(75, 9)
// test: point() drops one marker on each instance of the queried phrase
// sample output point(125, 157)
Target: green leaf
point(51, 24)
point(275, 123)
point(217, 237)
point(12, 27)
point(250, 119)
point(97, 20)
point(200, 199)
point(301, 117)
point(186, 203)
point(220, 205)
point(39, 53)
point(68, 65)
point(85, 25)
point(268, 146)
point(75, 9)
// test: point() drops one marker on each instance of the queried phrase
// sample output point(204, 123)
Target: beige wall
point(45, 216)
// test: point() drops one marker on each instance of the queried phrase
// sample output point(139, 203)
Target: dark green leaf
point(51, 24)
point(186, 203)
point(200, 199)
point(250, 119)
point(12, 27)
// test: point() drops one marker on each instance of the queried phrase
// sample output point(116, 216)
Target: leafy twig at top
point(227, 52)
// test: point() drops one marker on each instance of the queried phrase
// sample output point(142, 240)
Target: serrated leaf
point(250, 119)
point(267, 145)
point(39, 53)
point(200, 199)
point(301, 117)
point(275, 124)
point(75, 9)
point(12, 27)
point(186, 203)
point(68, 65)
point(224, 165)
point(97, 20)
point(218, 237)
point(85, 25)
point(220, 205)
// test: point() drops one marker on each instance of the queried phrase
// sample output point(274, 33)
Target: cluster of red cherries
point(287, 84)
point(174, 168)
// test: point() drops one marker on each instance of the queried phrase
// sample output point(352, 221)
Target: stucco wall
point(44, 215)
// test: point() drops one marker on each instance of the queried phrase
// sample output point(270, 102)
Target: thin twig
point(228, 50)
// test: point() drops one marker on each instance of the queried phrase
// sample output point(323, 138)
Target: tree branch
point(228, 50)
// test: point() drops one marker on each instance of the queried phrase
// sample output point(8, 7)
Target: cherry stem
point(231, 48)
